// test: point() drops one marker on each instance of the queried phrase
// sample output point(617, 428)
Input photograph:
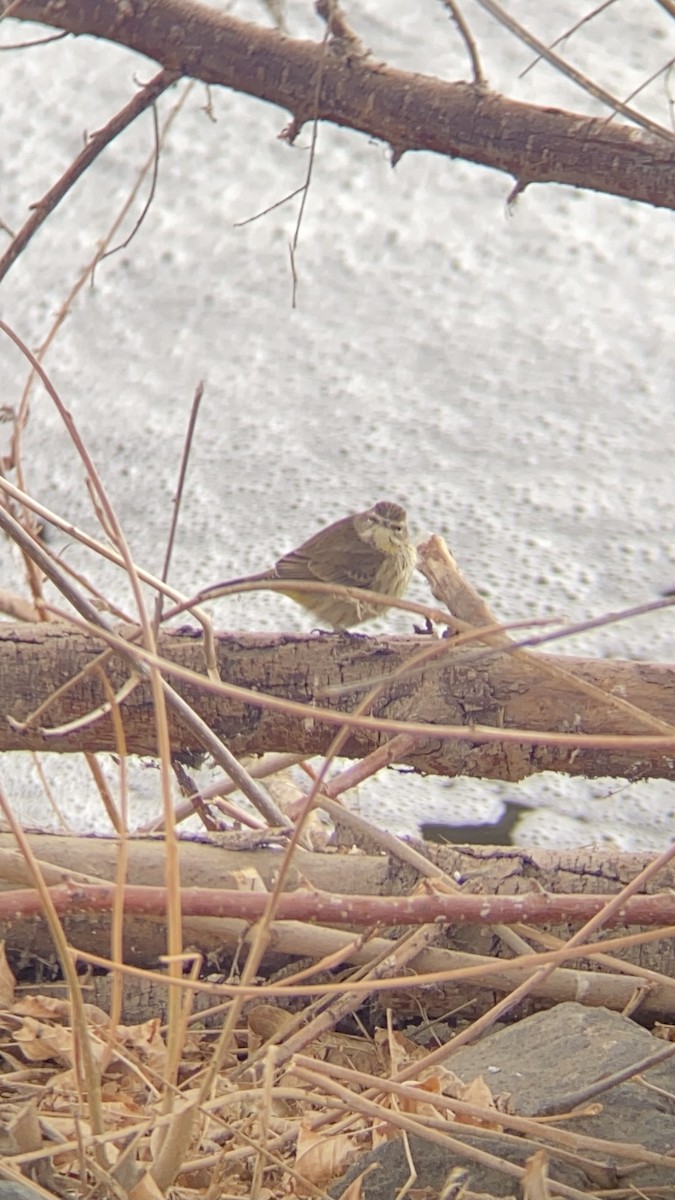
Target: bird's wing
point(345, 560)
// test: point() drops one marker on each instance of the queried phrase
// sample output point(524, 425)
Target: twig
point(270, 764)
point(87, 1070)
point(194, 412)
point(54, 37)
point(607, 1082)
point(476, 733)
point(148, 200)
point(140, 661)
point(310, 165)
point(448, 584)
point(270, 207)
point(569, 32)
point(96, 144)
point(101, 548)
point(337, 909)
point(469, 41)
point(578, 939)
point(395, 961)
point(450, 1106)
point(362, 1103)
point(16, 607)
point(258, 796)
point(594, 89)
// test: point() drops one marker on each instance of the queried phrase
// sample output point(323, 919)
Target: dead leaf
point(535, 1179)
point(477, 1092)
point(268, 1020)
point(7, 981)
point(321, 1157)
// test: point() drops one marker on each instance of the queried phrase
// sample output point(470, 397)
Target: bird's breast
point(395, 571)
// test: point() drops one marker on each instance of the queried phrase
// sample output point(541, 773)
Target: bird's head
point(384, 526)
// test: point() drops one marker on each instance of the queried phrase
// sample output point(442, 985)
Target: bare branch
point(406, 110)
point(96, 144)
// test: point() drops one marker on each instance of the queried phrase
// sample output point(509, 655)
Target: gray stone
point(538, 1066)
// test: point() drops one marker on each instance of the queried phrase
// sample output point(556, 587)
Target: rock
point(536, 1067)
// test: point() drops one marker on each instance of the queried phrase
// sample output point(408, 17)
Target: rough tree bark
point(342, 83)
point(484, 870)
point(484, 691)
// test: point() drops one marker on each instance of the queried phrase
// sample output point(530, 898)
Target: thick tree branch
point(500, 870)
point(336, 83)
point(490, 693)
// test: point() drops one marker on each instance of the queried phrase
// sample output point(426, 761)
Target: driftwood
point(475, 687)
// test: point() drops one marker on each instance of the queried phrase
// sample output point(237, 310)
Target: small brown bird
point(370, 550)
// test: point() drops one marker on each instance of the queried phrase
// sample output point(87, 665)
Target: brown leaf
point(535, 1179)
point(7, 981)
point(321, 1157)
